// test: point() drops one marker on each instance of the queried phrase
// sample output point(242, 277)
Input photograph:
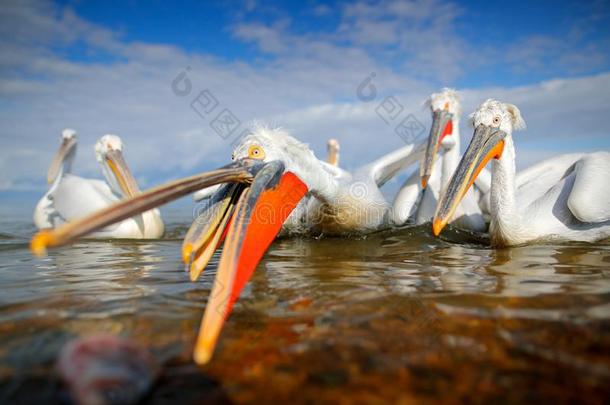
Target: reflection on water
point(393, 316)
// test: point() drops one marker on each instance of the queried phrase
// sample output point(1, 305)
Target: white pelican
point(332, 146)
point(272, 173)
point(332, 158)
point(45, 215)
point(71, 197)
point(417, 198)
point(565, 198)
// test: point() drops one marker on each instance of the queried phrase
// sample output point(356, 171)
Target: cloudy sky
point(112, 67)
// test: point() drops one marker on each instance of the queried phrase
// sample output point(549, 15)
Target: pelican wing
point(335, 171)
point(589, 200)
point(407, 200)
point(388, 166)
point(205, 192)
point(533, 182)
point(76, 197)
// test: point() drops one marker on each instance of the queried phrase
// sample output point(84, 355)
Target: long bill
point(66, 147)
point(208, 228)
point(127, 208)
point(114, 159)
point(259, 214)
point(442, 125)
point(487, 143)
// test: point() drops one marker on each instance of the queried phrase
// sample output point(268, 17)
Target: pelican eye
point(256, 152)
point(496, 120)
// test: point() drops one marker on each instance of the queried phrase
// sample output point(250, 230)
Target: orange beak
point(249, 217)
point(209, 228)
point(442, 126)
point(258, 217)
point(487, 143)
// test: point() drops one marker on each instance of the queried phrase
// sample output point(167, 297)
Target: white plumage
point(338, 202)
point(565, 198)
point(71, 197)
point(416, 205)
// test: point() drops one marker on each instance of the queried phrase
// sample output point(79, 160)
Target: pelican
point(255, 197)
point(71, 197)
point(332, 146)
point(332, 158)
point(45, 215)
point(417, 198)
point(565, 198)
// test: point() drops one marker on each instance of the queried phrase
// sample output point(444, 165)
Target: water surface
point(396, 316)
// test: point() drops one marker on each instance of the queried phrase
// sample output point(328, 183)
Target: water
point(398, 316)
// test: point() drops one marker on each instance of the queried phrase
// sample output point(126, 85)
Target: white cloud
point(570, 55)
point(268, 39)
point(562, 115)
point(309, 86)
point(418, 35)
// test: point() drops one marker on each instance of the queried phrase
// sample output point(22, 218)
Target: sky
point(150, 71)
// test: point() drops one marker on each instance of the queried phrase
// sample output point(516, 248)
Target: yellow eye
point(256, 152)
point(496, 120)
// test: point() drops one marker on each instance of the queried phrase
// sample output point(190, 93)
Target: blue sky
point(107, 67)
point(551, 28)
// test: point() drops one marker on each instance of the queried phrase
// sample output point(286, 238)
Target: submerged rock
point(105, 369)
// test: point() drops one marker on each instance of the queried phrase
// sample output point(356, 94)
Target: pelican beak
point(257, 216)
point(66, 147)
point(487, 143)
point(239, 172)
point(209, 228)
point(251, 213)
point(114, 160)
point(442, 125)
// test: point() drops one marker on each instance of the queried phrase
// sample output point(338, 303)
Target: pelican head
point(266, 145)
point(109, 154)
point(494, 123)
point(271, 172)
point(68, 133)
point(64, 156)
point(445, 108)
